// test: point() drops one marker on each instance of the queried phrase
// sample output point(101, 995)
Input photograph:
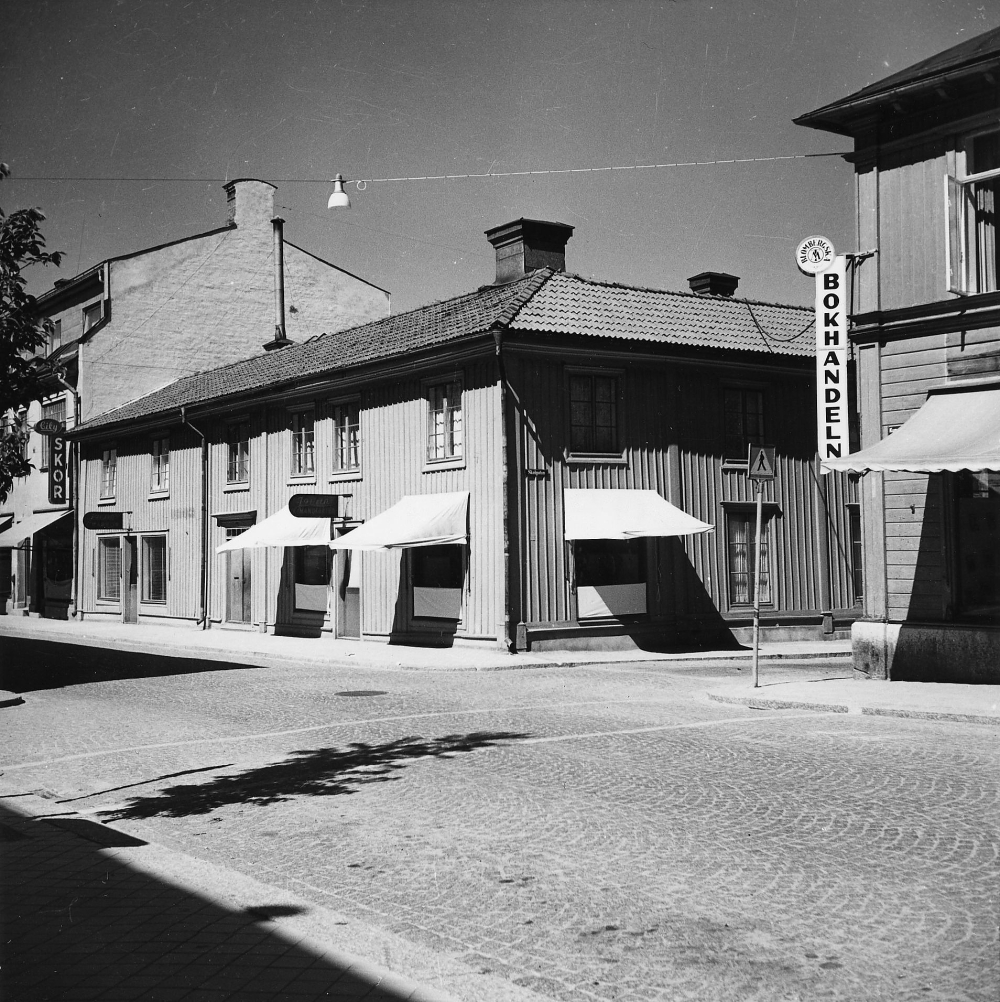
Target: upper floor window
point(238, 452)
point(303, 444)
point(346, 436)
point(593, 413)
point(109, 473)
point(743, 421)
point(55, 336)
point(444, 421)
point(972, 205)
point(159, 479)
point(91, 314)
point(54, 411)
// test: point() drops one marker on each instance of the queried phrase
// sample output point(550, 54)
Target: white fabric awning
point(281, 529)
point(416, 520)
point(19, 532)
point(954, 430)
point(625, 514)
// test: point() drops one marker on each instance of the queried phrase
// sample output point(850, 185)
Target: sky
point(295, 91)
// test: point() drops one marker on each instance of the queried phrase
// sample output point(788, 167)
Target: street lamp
point(339, 199)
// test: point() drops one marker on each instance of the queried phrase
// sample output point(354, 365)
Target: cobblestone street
point(601, 832)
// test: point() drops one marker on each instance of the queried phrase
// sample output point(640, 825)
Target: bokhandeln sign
point(314, 505)
point(58, 469)
point(831, 361)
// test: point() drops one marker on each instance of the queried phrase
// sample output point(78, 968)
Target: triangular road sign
point(761, 465)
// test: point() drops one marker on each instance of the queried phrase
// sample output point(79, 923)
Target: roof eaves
point(337, 267)
point(171, 243)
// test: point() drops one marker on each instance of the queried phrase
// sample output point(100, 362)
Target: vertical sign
point(58, 469)
point(831, 361)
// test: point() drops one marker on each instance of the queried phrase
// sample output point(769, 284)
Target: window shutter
point(955, 243)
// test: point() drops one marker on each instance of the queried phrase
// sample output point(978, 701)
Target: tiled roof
point(436, 323)
point(543, 301)
point(571, 305)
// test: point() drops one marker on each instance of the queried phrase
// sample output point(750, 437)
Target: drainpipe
point(60, 375)
point(203, 617)
point(280, 337)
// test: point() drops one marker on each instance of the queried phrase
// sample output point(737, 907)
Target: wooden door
point(238, 586)
point(348, 578)
point(130, 581)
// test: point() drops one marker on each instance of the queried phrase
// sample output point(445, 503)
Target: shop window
point(91, 314)
point(857, 557)
point(610, 577)
point(977, 546)
point(238, 452)
point(972, 223)
point(55, 411)
point(444, 421)
point(312, 578)
point(743, 417)
point(593, 413)
point(303, 444)
point(346, 437)
point(159, 480)
point(438, 578)
point(109, 473)
point(109, 568)
point(741, 553)
point(154, 569)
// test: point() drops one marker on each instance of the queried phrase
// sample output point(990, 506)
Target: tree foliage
point(22, 332)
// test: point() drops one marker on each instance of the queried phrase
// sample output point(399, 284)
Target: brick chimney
point(713, 283)
point(527, 244)
point(250, 202)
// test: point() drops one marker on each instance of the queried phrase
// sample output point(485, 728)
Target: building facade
point(461, 442)
point(137, 322)
point(926, 342)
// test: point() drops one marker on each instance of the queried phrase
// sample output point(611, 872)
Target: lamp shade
point(339, 199)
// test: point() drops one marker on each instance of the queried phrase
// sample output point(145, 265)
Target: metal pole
point(756, 589)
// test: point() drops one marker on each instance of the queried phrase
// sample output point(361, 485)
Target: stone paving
point(585, 833)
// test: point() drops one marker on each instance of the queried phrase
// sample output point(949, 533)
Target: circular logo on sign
point(813, 255)
point(49, 426)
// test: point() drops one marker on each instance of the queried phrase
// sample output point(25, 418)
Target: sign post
point(760, 468)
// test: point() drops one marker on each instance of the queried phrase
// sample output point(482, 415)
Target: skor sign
point(831, 361)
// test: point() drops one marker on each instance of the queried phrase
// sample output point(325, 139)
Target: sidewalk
point(90, 912)
point(975, 704)
point(246, 647)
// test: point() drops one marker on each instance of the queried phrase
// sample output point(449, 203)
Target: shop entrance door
point(238, 581)
point(348, 591)
point(130, 581)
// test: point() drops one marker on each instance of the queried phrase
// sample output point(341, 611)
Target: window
point(312, 577)
point(743, 421)
point(154, 569)
point(741, 550)
point(109, 568)
point(238, 452)
point(346, 437)
point(972, 204)
point(857, 560)
point(303, 444)
point(55, 411)
point(977, 546)
point(109, 473)
point(55, 336)
point(593, 413)
point(438, 576)
point(91, 314)
point(610, 577)
point(159, 479)
point(444, 421)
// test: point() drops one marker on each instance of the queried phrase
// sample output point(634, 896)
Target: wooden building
point(513, 458)
point(136, 322)
point(926, 340)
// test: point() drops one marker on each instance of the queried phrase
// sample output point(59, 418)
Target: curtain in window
point(741, 545)
point(110, 569)
point(154, 579)
point(984, 199)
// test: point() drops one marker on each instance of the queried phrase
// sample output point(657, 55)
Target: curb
point(756, 703)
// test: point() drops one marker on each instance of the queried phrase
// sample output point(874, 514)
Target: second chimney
point(713, 283)
point(527, 244)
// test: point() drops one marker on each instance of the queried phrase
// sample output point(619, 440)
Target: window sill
point(345, 476)
point(605, 458)
point(106, 501)
point(300, 481)
point(735, 466)
point(457, 463)
point(158, 495)
point(243, 485)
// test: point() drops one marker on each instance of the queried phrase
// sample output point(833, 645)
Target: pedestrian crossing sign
point(761, 462)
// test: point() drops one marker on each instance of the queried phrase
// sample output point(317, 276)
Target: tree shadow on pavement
point(30, 665)
point(317, 772)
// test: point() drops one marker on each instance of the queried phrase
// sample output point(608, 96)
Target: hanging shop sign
point(103, 519)
point(314, 505)
point(49, 426)
point(58, 449)
point(814, 254)
point(831, 361)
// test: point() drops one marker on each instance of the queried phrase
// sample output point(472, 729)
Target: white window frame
point(451, 455)
point(109, 474)
point(748, 516)
point(103, 542)
point(46, 413)
point(338, 410)
point(234, 441)
point(302, 445)
point(144, 541)
point(92, 315)
point(959, 205)
point(159, 465)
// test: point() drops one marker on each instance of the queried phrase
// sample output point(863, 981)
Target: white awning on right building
point(955, 429)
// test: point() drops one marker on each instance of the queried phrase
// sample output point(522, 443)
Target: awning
point(625, 514)
point(16, 534)
point(281, 529)
point(416, 520)
point(954, 430)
